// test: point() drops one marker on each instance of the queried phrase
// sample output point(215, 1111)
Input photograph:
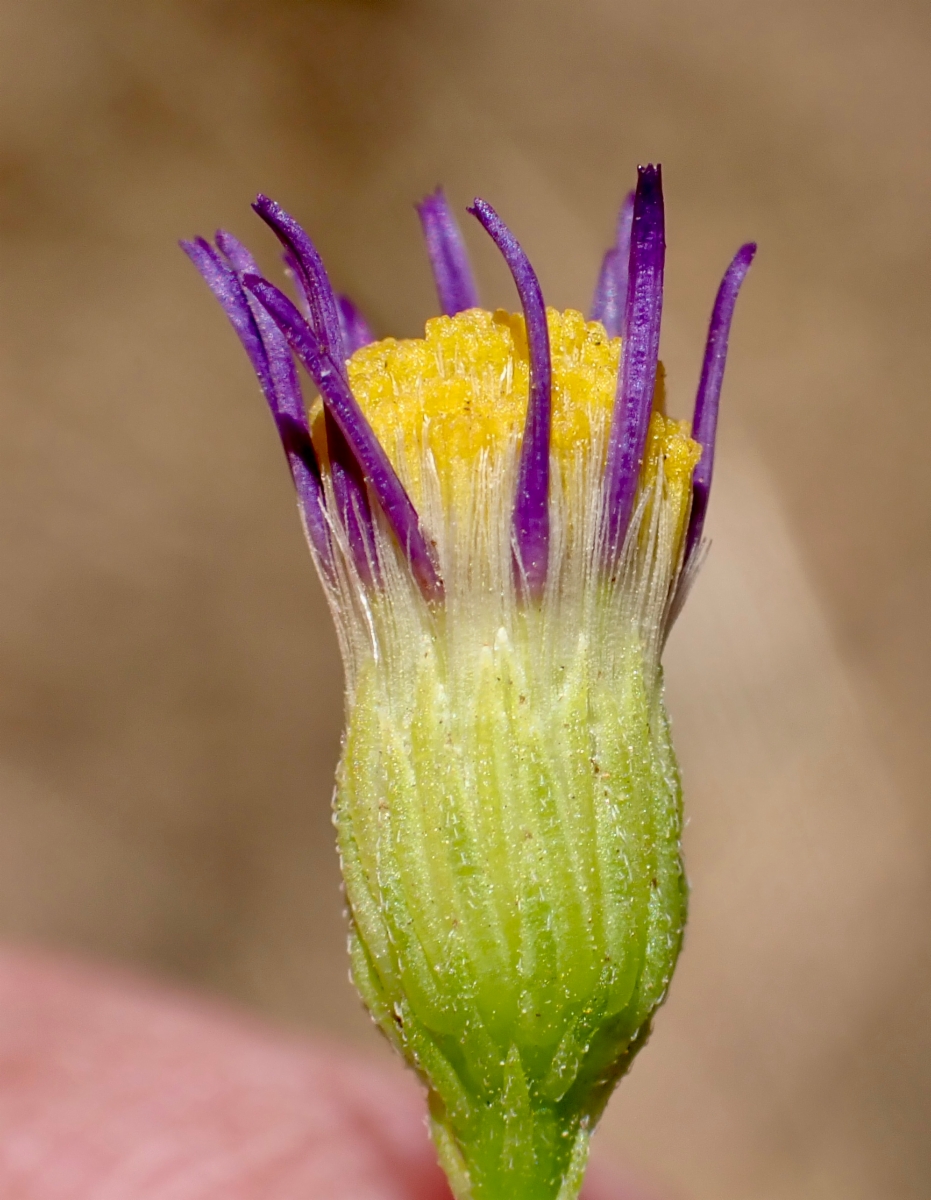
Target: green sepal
point(509, 830)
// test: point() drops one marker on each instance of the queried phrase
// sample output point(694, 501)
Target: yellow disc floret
point(670, 448)
point(460, 392)
point(456, 399)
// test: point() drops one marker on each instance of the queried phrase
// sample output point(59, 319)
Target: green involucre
point(509, 837)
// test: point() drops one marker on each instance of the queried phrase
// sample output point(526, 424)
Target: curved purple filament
point(303, 259)
point(708, 397)
point(639, 358)
point(315, 283)
point(365, 446)
point(531, 519)
point(352, 501)
point(611, 290)
point(449, 259)
point(355, 328)
point(271, 360)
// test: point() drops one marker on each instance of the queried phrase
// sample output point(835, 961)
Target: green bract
point(509, 831)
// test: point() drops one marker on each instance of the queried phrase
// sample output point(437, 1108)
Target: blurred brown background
point(170, 689)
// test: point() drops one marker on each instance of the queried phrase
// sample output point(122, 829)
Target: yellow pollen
point(460, 394)
point(670, 446)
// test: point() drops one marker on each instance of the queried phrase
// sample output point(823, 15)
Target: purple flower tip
point(271, 360)
point(707, 400)
point(355, 328)
point(312, 275)
point(448, 256)
point(369, 454)
point(531, 525)
point(611, 290)
point(637, 375)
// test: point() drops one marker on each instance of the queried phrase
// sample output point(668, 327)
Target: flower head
point(505, 522)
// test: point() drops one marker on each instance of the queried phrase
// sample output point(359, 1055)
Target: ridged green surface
point(510, 846)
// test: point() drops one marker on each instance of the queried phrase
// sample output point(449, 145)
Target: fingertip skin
point(115, 1086)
